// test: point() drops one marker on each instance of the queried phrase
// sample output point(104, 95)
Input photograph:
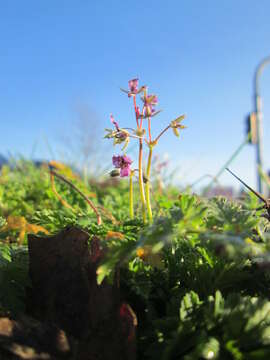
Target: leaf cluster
point(197, 278)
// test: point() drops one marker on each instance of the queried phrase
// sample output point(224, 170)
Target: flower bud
point(145, 179)
point(140, 132)
point(115, 173)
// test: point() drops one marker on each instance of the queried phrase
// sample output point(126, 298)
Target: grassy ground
point(197, 278)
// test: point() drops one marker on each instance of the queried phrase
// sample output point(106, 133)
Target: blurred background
point(62, 64)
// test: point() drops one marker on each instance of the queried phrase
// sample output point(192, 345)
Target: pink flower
point(149, 102)
point(123, 163)
point(133, 88)
point(133, 85)
point(125, 172)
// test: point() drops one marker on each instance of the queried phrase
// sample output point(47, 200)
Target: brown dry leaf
point(108, 215)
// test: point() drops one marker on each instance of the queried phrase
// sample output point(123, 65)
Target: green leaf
point(188, 303)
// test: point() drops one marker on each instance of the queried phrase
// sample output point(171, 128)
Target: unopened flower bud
point(115, 173)
point(140, 132)
point(145, 179)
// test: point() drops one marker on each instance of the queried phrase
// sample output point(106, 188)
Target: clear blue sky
point(197, 56)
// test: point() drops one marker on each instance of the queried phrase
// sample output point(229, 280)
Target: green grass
point(197, 278)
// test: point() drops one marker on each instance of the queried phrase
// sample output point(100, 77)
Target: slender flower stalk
point(89, 202)
point(162, 132)
point(148, 173)
point(149, 129)
point(147, 185)
point(131, 206)
point(57, 195)
point(141, 187)
point(141, 180)
point(175, 125)
point(135, 107)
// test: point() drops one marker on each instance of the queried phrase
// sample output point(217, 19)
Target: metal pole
point(258, 113)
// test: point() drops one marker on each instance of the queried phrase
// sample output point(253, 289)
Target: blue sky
point(199, 57)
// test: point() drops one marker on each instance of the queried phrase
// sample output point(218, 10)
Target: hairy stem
point(141, 180)
point(162, 132)
point(63, 202)
point(131, 206)
point(149, 129)
point(89, 202)
point(135, 108)
point(147, 186)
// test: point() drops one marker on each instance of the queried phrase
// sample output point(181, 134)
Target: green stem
point(147, 186)
point(141, 180)
point(131, 207)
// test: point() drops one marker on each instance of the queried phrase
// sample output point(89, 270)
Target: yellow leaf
point(20, 224)
point(63, 169)
point(114, 235)
point(146, 254)
point(34, 229)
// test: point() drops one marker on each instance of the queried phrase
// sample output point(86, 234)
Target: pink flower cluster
point(123, 163)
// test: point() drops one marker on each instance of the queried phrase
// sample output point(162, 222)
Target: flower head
point(125, 172)
point(133, 85)
point(133, 88)
point(123, 163)
point(149, 101)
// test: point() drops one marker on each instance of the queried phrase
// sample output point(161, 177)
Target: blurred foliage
point(198, 278)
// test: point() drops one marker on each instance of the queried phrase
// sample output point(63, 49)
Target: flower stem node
point(152, 144)
point(140, 132)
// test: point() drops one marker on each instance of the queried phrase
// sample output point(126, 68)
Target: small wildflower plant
point(142, 133)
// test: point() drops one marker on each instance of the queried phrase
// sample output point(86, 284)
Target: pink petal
point(126, 160)
point(114, 122)
point(125, 171)
point(133, 85)
point(116, 160)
